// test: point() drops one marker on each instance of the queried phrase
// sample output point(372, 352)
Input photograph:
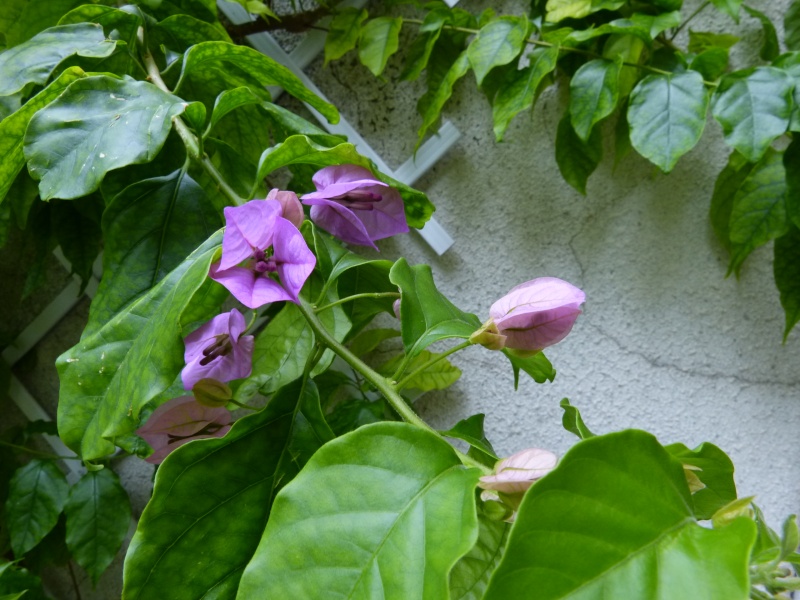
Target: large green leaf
point(98, 516)
point(35, 60)
point(438, 376)
point(667, 115)
point(343, 32)
point(787, 276)
point(427, 315)
point(435, 99)
point(149, 229)
point(614, 520)
point(730, 7)
point(593, 94)
point(577, 159)
point(498, 43)
point(36, 497)
point(726, 186)
point(791, 26)
point(212, 498)
point(382, 512)
point(218, 56)
point(470, 577)
point(76, 226)
point(110, 375)
point(770, 48)
point(96, 125)
point(181, 32)
point(519, 94)
point(716, 473)
point(758, 214)
point(12, 128)
point(753, 107)
point(558, 10)
point(37, 16)
point(471, 431)
point(379, 40)
point(791, 163)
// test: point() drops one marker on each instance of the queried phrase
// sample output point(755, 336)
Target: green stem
point(357, 297)
point(194, 148)
point(404, 381)
point(688, 20)
point(240, 405)
point(383, 385)
point(38, 452)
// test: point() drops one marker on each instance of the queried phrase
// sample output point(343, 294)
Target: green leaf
point(366, 341)
point(790, 62)
point(286, 124)
point(352, 414)
point(79, 236)
point(770, 48)
point(380, 39)
point(728, 183)
point(537, 366)
point(577, 159)
point(421, 49)
point(791, 163)
point(12, 128)
point(758, 214)
point(96, 125)
point(700, 41)
point(667, 115)
point(629, 49)
point(335, 531)
point(438, 376)
point(729, 7)
point(716, 472)
point(711, 64)
point(573, 422)
point(431, 105)
point(181, 32)
point(753, 107)
point(10, 12)
point(111, 374)
point(614, 519)
point(558, 10)
point(471, 431)
point(787, 276)
point(213, 57)
point(593, 94)
point(35, 17)
point(470, 576)
point(343, 32)
point(791, 26)
point(37, 496)
point(35, 60)
point(370, 277)
point(519, 94)
point(427, 316)
point(212, 498)
point(149, 229)
point(498, 43)
point(15, 579)
point(98, 515)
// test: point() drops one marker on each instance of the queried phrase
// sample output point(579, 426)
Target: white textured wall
point(665, 344)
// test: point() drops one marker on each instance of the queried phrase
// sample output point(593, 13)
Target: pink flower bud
point(290, 205)
point(515, 474)
point(537, 313)
point(396, 308)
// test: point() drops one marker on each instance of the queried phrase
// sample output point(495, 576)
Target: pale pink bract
point(515, 474)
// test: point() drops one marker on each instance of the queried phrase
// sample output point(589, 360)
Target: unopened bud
point(212, 393)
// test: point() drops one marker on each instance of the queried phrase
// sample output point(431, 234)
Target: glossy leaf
point(577, 159)
point(180, 32)
point(121, 22)
point(299, 149)
point(758, 214)
point(593, 94)
point(667, 115)
point(149, 229)
point(435, 99)
point(716, 473)
point(366, 341)
point(378, 41)
point(12, 128)
point(519, 94)
point(498, 43)
point(35, 60)
point(212, 498)
point(791, 26)
point(470, 430)
point(537, 366)
point(98, 516)
point(770, 48)
point(574, 535)
point(111, 374)
point(334, 531)
point(730, 7)
point(217, 56)
point(787, 276)
point(573, 422)
point(427, 316)
point(754, 108)
point(470, 577)
point(343, 32)
point(558, 10)
point(96, 125)
point(36, 498)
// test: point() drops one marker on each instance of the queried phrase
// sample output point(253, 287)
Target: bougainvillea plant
point(229, 341)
